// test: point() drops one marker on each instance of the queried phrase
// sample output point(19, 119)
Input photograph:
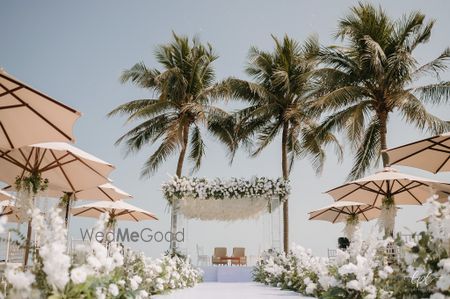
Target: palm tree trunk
point(383, 135)
point(284, 167)
point(174, 211)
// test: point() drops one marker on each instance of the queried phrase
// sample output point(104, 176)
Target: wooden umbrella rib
point(433, 143)
point(149, 215)
point(88, 166)
point(8, 91)
point(42, 158)
point(131, 214)
point(324, 211)
point(53, 163)
point(337, 216)
point(40, 115)
point(342, 211)
point(82, 211)
point(63, 171)
point(39, 93)
point(354, 190)
point(12, 106)
point(6, 135)
point(443, 164)
point(407, 187)
point(106, 194)
point(407, 190)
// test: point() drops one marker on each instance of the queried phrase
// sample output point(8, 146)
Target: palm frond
point(197, 148)
point(368, 151)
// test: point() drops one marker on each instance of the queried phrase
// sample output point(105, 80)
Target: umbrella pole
point(27, 244)
point(28, 241)
point(66, 218)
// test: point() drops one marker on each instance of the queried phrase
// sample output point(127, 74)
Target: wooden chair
point(240, 253)
point(219, 253)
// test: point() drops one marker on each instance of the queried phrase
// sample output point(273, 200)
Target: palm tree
point(376, 74)
point(184, 90)
point(280, 100)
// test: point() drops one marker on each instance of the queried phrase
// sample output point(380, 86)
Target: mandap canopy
point(225, 200)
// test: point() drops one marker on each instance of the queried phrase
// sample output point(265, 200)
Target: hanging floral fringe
point(27, 188)
point(386, 221)
point(351, 226)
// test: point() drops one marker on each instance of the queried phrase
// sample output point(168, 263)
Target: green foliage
point(34, 183)
point(374, 74)
point(185, 90)
point(281, 101)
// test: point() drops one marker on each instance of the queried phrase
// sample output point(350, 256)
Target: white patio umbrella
point(107, 192)
point(346, 211)
point(405, 189)
point(430, 154)
point(66, 167)
point(117, 210)
point(389, 188)
point(28, 116)
point(339, 211)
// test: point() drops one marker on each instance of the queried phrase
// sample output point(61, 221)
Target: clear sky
point(75, 52)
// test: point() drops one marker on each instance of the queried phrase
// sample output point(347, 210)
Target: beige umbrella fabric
point(28, 116)
point(66, 167)
point(340, 211)
point(107, 192)
point(431, 154)
point(118, 210)
point(405, 189)
point(5, 195)
point(7, 208)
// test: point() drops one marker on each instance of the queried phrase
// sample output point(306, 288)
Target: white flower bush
point(95, 271)
point(421, 269)
point(227, 200)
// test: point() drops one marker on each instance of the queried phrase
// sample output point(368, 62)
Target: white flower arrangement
point(98, 272)
point(226, 200)
point(365, 270)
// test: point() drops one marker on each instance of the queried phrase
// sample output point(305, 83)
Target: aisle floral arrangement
point(226, 200)
point(421, 269)
point(92, 271)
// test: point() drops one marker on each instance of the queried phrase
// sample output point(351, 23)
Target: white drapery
point(227, 209)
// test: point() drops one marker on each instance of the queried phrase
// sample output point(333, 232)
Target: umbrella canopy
point(117, 210)
point(340, 211)
point(5, 195)
point(7, 208)
point(28, 116)
point(431, 154)
point(107, 192)
point(66, 167)
point(404, 188)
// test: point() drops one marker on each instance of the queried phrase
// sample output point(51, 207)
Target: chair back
point(220, 251)
point(238, 252)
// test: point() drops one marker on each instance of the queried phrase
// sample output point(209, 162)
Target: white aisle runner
point(218, 290)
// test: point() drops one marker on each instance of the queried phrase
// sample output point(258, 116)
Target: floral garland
point(226, 200)
point(386, 221)
point(27, 188)
point(234, 188)
point(351, 226)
